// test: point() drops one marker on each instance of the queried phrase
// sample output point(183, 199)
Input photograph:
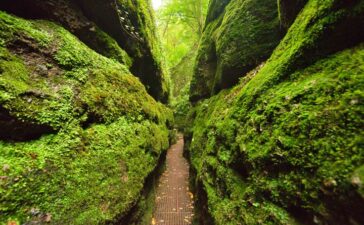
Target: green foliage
point(177, 41)
point(182, 74)
point(181, 106)
point(180, 25)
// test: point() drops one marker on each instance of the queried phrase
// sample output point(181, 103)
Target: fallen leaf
point(356, 181)
point(6, 168)
point(191, 195)
point(33, 155)
point(12, 222)
point(48, 217)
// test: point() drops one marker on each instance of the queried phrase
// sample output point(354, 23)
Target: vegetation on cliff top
point(180, 26)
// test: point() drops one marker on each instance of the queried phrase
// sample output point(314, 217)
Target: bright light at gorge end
point(156, 4)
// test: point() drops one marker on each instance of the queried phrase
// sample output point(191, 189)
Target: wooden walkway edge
point(174, 201)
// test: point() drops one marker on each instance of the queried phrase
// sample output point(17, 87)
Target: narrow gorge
point(178, 112)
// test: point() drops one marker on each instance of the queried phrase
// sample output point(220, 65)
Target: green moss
point(205, 66)
point(9, 29)
point(303, 136)
point(159, 84)
point(282, 146)
point(260, 35)
point(240, 38)
point(216, 8)
point(13, 72)
point(80, 176)
point(109, 132)
point(307, 41)
point(76, 64)
point(111, 49)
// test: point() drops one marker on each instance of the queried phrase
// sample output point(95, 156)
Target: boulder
point(79, 134)
point(239, 35)
point(121, 30)
point(284, 146)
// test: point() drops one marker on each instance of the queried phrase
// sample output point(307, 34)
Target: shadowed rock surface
point(16, 130)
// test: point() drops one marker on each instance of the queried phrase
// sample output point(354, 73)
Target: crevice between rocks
point(16, 130)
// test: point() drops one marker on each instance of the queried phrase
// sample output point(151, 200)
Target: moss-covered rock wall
point(79, 134)
point(286, 145)
point(123, 30)
point(238, 36)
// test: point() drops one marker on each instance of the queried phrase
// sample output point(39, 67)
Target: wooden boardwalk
point(174, 201)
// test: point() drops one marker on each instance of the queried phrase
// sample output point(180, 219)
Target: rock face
point(285, 145)
point(79, 134)
point(122, 30)
point(238, 36)
point(288, 10)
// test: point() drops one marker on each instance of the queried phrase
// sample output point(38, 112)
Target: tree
point(180, 24)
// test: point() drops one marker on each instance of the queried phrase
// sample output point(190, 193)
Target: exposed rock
point(216, 8)
point(16, 129)
point(288, 11)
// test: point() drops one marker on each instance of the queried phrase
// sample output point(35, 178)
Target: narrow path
point(174, 205)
